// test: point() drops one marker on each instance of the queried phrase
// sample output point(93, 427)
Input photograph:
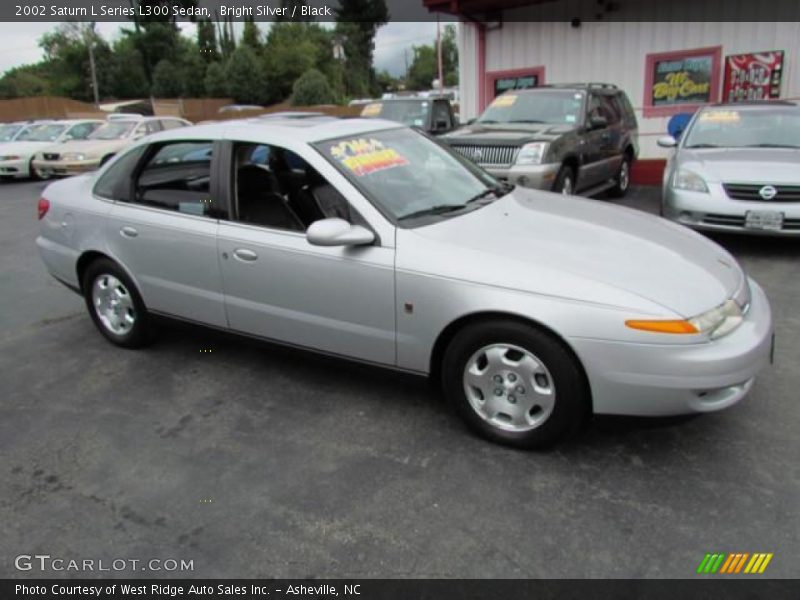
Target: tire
point(565, 181)
point(32, 174)
point(544, 398)
point(622, 181)
point(115, 306)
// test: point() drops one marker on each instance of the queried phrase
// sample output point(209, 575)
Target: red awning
point(476, 7)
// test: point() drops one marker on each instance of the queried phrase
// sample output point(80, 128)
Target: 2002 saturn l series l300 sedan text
point(371, 241)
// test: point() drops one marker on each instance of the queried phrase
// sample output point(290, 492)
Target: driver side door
point(338, 300)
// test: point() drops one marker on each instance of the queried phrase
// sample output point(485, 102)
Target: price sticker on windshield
point(372, 110)
point(504, 101)
point(720, 116)
point(365, 156)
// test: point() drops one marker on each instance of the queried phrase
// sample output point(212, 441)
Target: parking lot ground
point(252, 460)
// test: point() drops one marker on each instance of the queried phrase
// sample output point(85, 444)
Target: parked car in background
point(117, 133)
point(433, 115)
point(369, 240)
point(9, 132)
point(237, 108)
point(737, 168)
point(571, 138)
point(16, 158)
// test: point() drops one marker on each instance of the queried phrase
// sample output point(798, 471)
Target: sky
point(20, 42)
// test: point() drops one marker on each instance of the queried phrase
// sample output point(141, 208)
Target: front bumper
point(715, 211)
point(540, 177)
point(63, 168)
point(14, 168)
point(663, 380)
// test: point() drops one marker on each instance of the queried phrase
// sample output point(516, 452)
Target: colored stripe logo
point(734, 563)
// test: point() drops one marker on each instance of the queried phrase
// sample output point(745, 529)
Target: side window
point(274, 187)
point(115, 183)
point(441, 116)
point(153, 126)
point(171, 123)
point(177, 176)
point(610, 110)
point(81, 130)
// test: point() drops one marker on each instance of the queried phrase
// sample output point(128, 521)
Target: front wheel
point(565, 181)
point(515, 384)
point(115, 305)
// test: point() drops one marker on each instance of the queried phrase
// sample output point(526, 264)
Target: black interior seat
point(259, 203)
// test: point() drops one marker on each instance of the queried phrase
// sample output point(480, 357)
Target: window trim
point(217, 210)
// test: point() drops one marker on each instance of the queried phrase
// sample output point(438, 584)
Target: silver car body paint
point(576, 267)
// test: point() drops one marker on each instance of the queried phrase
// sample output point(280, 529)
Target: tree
point(207, 40)
point(425, 66)
point(24, 81)
point(215, 82)
point(311, 88)
point(245, 76)
point(251, 35)
point(291, 50)
point(357, 21)
point(165, 82)
point(125, 73)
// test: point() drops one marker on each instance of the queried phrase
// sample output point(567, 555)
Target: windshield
point(42, 133)
point(543, 106)
point(413, 113)
point(411, 178)
point(728, 127)
point(7, 132)
point(115, 130)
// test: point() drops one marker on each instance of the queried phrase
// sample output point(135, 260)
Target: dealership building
point(666, 66)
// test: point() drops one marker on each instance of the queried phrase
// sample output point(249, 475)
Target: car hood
point(22, 148)
point(584, 250)
point(757, 165)
point(93, 147)
point(509, 133)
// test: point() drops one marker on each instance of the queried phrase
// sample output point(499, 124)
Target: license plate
point(769, 220)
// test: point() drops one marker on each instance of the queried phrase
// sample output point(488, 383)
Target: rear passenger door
point(163, 227)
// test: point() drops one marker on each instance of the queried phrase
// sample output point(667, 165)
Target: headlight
point(10, 157)
point(532, 154)
point(73, 156)
point(688, 180)
point(715, 322)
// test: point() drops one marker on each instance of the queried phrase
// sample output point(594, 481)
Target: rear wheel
point(115, 305)
point(514, 384)
point(623, 179)
point(565, 181)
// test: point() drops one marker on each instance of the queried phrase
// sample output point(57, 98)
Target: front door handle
point(245, 255)
point(128, 232)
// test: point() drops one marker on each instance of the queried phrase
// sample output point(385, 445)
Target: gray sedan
point(371, 241)
point(737, 168)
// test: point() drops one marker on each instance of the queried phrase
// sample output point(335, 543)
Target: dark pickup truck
point(571, 138)
point(433, 115)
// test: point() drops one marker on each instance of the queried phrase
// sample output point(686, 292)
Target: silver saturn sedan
point(737, 168)
point(370, 241)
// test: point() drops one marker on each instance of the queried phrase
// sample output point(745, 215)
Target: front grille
point(488, 155)
point(747, 191)
point(51, 156)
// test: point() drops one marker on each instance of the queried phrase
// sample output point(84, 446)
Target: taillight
point(44, 206)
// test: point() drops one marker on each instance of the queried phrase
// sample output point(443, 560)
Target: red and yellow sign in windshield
point(365, 156)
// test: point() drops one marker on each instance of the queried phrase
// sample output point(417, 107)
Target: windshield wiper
point(704, 146)
point(498, 191)
point(527, 121)
point(439, 209)
point(765, 145)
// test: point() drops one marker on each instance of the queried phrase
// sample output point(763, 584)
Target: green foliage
point(251, 36)
point(165, 83)
point(357, 21)
point(311, 88)
point(245, 76)
point(425, 66)
point(215, 81)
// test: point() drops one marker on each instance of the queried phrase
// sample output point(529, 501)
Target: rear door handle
point(128, 232)
point(245, 255)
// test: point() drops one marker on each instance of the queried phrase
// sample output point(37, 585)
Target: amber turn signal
point(663, 326)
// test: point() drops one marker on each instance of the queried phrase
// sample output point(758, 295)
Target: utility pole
point(439, 53)
point(90, 42)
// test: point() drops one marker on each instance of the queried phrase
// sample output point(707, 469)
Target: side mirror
point(471, 121)
point(598, 122)
point(667, 141)
point(338, 232)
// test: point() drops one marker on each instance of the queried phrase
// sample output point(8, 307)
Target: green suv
point(569, 138)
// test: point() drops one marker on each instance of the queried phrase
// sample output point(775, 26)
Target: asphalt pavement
point(251, 460)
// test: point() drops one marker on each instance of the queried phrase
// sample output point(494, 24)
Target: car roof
point(308, 130)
